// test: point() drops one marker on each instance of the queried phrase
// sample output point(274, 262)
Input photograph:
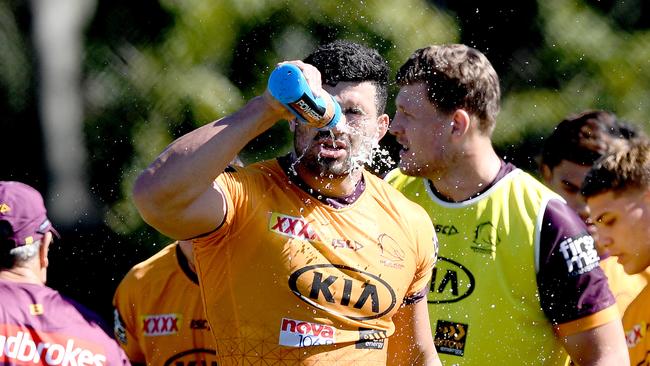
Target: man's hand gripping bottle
point(288, 85)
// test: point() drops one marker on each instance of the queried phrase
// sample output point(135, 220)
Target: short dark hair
point(343, 60)
point(585, 137)
point(457, 77)
point(627, 167)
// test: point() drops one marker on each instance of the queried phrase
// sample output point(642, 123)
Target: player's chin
point(330, 167)
point(630, 267)
point(409, 168)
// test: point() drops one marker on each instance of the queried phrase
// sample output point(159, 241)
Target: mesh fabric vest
point(483, 301)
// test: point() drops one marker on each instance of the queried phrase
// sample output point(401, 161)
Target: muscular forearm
point(412, 342)
point(183, 172)
point(194, 159)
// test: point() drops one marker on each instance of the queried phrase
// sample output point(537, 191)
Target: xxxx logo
point(635, 335)
point(295, 227)
point(160, 324)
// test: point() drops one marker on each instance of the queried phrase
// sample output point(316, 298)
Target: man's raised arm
point(175, 194)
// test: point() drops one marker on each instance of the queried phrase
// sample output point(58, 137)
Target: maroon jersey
point(39, 326)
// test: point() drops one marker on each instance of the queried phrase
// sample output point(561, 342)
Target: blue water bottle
point(288, 85)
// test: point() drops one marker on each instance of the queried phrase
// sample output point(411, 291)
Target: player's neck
point(336, 187)
point(467, 177)
point(21, 274)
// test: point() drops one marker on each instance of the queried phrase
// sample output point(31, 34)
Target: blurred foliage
point(207, 59)
point(156, 69)
point(586, 62)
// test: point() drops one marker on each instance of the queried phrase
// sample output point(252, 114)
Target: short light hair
point(624, 169)
point(457, 77)
point(19, 255)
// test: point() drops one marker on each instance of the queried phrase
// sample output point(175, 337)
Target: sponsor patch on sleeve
point(636, 334)
point(450, 337)
point(298, 333)
point(580, 254)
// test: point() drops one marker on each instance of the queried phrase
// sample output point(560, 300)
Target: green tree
point(211, 58)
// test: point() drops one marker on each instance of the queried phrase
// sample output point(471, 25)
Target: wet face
point(623, 223)
point(350, 144)
point(424, 133)
point(565, 179)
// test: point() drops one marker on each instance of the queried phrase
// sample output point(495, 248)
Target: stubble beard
point(327, 167)
point(309, 158)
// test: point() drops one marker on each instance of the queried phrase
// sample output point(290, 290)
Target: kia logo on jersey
point(450, 282)
point(343, 290)
point(193, 357)
point(161, 324)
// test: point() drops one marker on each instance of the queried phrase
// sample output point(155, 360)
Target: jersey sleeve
point(125, 322)
point(573, 289)
point(121, 358)
point(427, 255)
point(236, 185)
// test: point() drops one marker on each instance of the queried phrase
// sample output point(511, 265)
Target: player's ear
point(44, 249)
point(460, 123)
point(383, 122)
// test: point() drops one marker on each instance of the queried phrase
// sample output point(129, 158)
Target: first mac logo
point(343, 290)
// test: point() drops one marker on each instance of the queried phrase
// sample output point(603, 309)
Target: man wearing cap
point(37, 324)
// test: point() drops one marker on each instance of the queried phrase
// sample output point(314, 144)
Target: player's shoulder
point(66, 311)
point(528, 179)
point(396, 201)
point(384, 188)
point(397, 179)
point(257, 177)
point(160, 265)
point(265, 169)
point(530, 187)
point(84, 313)
point(7, 287)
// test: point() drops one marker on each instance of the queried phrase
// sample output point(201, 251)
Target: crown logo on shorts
point(4, 208)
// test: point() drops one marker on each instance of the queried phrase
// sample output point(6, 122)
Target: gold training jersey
point(159, 317)
point(636, 323)
point(290, 280)
point(625, 287)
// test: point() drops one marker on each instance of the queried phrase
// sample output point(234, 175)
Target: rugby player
point(567, 155)
point(308, 258)
point(518, 281)
point(39, 326)
point(159, 317)
point(617, 189)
